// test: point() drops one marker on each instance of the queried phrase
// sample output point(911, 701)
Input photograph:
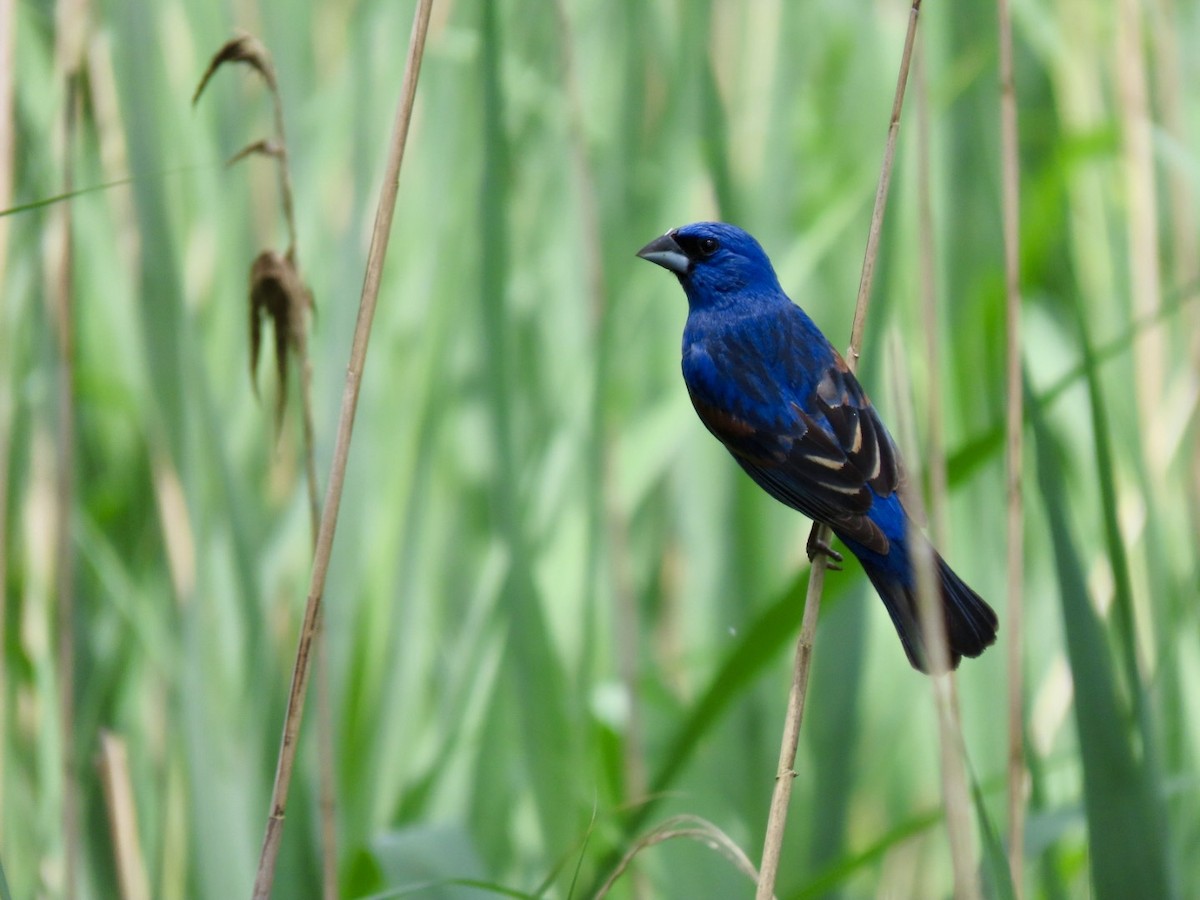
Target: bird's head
point(717, 264)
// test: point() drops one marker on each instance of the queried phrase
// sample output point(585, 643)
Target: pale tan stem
point(935, 450)
point(1010, 186)
point(8, 18)
point(932, 616)
point(341, 452)
point(119, 802)
point(777, 817)
point(60, 290)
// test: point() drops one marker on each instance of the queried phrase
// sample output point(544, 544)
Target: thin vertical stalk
point(1170, 93)
point(935, 450)
point(945, 696)
point(325, 760)
point(1010, 189)
point(1184, 231)
point(955, 797)
point(122, 818)
point(785, 773)
point(291, 332)
point(295, 320)
point(1145, 288)
point(871, 254)
point(60, 293)
point(285, 173)
point(7, 79)
point(310, 455)
point(337, 474)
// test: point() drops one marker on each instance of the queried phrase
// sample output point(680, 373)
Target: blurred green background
point(557, 614)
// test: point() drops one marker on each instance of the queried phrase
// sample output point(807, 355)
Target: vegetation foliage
point(558, 618)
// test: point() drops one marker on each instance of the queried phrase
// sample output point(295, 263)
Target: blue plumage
point(769, 385)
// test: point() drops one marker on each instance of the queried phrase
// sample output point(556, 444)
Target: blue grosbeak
point(782, 400)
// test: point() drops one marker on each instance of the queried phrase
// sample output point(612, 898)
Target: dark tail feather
point(970, 623)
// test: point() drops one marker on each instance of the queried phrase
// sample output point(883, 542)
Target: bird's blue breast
point(757, 365)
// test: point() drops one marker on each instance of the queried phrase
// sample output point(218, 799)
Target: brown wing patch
point(740, 437)
point(725, 423)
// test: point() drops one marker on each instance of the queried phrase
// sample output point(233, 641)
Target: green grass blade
point(155, 177)
point(1050, 866)
point(838, 873)
point(775, 628)
point(976, 451)
point(997, 877)
point(1127, 853)
point(533, 672)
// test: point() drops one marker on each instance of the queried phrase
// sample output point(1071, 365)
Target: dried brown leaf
point(264, 147)
point(244, 48)
point(278, 294)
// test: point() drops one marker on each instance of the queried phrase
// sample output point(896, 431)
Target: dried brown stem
point(247, 49)
point(1010, 187)
point(122, 818)
point(325, 758)
point(881, 194)
point(277, 291)
point(337, 473)
point(784, 775)
point(777, 818)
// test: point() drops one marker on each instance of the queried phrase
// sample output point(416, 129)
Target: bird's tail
point(970, 623)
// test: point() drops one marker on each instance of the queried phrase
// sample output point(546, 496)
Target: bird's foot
point(818, 547)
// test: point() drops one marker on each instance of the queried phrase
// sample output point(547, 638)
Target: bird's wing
point(819, 448)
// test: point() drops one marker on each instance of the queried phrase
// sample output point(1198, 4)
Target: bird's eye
point(708, 246)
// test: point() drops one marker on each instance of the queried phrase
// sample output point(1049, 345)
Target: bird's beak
point(666, 252)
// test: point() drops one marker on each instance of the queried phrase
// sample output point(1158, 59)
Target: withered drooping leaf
point(264, 147)
point(276, 290)
point(243, 48)
point(277, 293)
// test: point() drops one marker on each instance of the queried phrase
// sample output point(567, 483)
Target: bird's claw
point(818, 547)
